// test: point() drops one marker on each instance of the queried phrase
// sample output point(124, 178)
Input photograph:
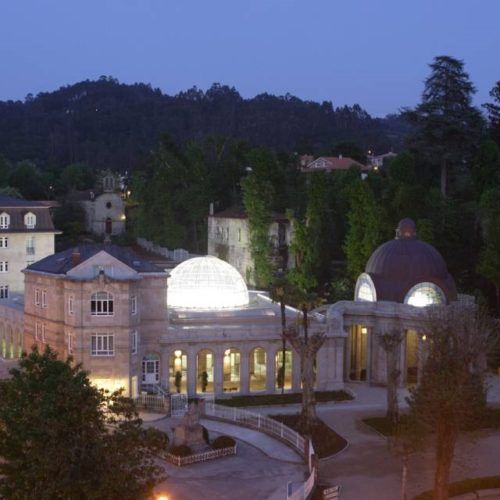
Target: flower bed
point(200, 457)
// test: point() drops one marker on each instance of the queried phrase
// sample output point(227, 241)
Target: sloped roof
point(10, 202)
point(334, 163)
point(62, 262)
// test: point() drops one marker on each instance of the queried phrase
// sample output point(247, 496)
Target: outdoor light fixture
point(178, 353)
point(364, 330)
point(424, 337)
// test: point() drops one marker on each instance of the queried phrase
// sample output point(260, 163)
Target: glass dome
point(206, 283)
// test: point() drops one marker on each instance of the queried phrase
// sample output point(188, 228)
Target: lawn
point(282, 399)
point(326, 441)
point(466, 486)
point(491, 420)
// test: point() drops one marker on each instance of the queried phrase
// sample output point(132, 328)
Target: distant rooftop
point(11, 202)
point(62, 262)
point(239, 213)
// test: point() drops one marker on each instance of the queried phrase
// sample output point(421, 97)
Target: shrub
point(223, 442)
point(183, 450)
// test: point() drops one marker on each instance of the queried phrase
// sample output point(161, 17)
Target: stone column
point(402, 360)
point(165, 368)
point(244, 371)
point(369, 354)
point(295, 371)
point(218, 371)
point(270, 369)
point(191, 371)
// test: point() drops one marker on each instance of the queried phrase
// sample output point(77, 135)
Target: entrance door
point(151, 371)
point(109, 226)
point(358, 341)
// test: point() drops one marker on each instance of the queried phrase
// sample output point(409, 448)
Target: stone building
point(101, 304)
point(104, 206)
point(27, 234)
point(210, 333)
point(229, 240)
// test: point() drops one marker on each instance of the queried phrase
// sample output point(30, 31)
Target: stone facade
point(105, 214)
point(229, 240)
point(59, 311)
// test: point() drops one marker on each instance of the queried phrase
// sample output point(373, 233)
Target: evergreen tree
point(448, 127)
point(366, 229)
point(493, 109)
point(62, 438)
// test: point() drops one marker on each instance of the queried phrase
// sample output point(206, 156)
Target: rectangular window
point(4, 291)
point(4, 266)
point(37, 297)
point(43, 333)
point(30, 245)
point(40, 332)
point(133, 304)
point(102, 345)
point(4, 221)
point(44, 298)
point(4, 242)
point(70, 304)
point(71, 341)
point(101, 304)
point(133, 342)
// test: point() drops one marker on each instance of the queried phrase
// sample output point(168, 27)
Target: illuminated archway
point(231, 367)
point(425, 294)
point(178, 371)
point(205, 371)
point(283, 379)
point(258, 359)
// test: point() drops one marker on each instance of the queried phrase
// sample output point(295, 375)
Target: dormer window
point(30, 220)
point(4, 220)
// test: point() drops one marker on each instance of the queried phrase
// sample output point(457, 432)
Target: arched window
point(4, 220)
point(231, 366)
point(283, 377)
point(30, 220)
point(101, 304)
point(425, 294)
point(205, 371)
point(258, 367)
point(365, 289)
point(178, 371)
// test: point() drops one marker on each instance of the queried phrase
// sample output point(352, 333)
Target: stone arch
point(258, 369)
point(205, 364)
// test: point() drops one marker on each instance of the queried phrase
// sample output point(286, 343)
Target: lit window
point(70, 304)
point(37, 297)
point(4, 242)
point(30, 220)
point(4, 266)
point(30, 245)
point(133, 304)
point(101, 304)
point(44, 298)
point(102, 345)
point(425, 294)
point(365, 289)
point(4, 220)
point(4, 291)
point(134, 342)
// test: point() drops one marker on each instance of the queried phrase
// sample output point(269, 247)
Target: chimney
point(76, 258)
point(211, 209)
point(340, 157)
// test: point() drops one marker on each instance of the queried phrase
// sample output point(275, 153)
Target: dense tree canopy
point(62, 438)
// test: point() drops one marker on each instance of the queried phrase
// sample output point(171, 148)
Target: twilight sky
point(374, 52)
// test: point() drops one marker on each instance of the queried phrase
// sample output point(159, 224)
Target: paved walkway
point(261, 469)
point(368, 470)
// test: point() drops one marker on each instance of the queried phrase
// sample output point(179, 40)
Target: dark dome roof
point(398, 265)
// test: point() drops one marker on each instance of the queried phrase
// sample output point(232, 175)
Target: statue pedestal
point(190, 432)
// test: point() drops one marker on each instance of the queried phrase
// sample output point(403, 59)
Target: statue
point(190, 431)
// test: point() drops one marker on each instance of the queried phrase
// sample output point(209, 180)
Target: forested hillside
point(105, 123)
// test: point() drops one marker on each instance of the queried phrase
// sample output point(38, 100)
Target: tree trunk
point(404, 475)
point(308, 415)
point(444, 175)
point(283, 330)
point(392, 386)
point(445, 445)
